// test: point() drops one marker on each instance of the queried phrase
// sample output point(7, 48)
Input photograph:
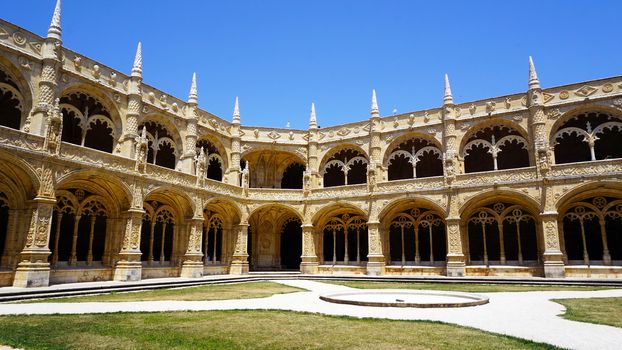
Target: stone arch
point(17, 84)
point(408, 136)
point(216, 159)
point(499, 194)
point(116, 191)
point(588, 190)
point(225, 207)
point(183, 206)
point(268, 165)
point(397, 205)
point(328, 210)
point(19, 177)
point(277, 205)
point(165, 148)
point(342, 234)
point(93, 124)
point(343, 165)
point(413, 155)
point(495, 144)
point(215, 140)
point(589, 132)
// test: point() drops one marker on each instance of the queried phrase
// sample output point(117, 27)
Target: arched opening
point(417, 237)
point(79, 229)
point(214, 161)
point(11, 102)
point(292, 176)
point(86, 122)
point(291, 244)
point(591, 230)
point(266, 168)
point(502, 233)
point(345, 167)
point(162, 149)
point(212, 239)
point(495, 147)
point(415, 158)
point(4, 222)
point(273, 237)
point(344, 240)
point(157, 235)
point(588, 136)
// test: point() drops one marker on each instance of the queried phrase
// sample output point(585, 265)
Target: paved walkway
point(528, 315)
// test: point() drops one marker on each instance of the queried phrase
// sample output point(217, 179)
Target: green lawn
point(461, 287)
point(594, 310)
point(207, 292)
point(255, 330)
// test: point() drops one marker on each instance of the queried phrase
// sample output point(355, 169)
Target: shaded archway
point(414, 158)
point(220, 224)
point(267, 168)
point(11, 101)
point(291, 244)
point(87, 122)
point(292, 176)
point(588, 136)
point(495, 147)
point(215, 164)
point(163, 150)
point(347, 166)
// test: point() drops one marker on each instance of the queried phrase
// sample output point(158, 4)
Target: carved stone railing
point(95, 157)
point(339, 192)
point(19, 139)
point(587, 168)
point(275, 194)
point(222, 188)
point(487, 178)
point(410, 185)
point(171, 176)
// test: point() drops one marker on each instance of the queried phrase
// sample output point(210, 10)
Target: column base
point(554, 269)
point(375, 267)
point(32, 274)
point(126, 271)
point(192, 269)
point(309, 268)
point(239, 268)
point(455, 265)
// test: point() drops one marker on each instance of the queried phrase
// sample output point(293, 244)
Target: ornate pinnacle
point(534, 83)
point(448, 97)
point(143, 134)
point(55, 30)
point(192, 96)
point(137, 68)
point(374, 104)
point(312, 119)
point(236, 112)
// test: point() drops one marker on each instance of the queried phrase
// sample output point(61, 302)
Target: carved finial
point(312, 118)
point(143, 134)
point(55, 30)
point(534, 83)
point(193, 97)
point(236, 112)
point(374, 104)
point(137, 68)
point(448, 97)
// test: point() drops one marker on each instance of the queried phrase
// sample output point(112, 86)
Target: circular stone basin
point(406, 298)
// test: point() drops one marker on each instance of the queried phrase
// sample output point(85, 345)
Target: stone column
point(553, 257)
point(309, 264)
point(128, 266)
point(192, 266)
point(455, 253)
point(33, 269)
point(239, 264)
point(376, 261)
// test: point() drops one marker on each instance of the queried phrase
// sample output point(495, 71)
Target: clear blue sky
point(279, 56)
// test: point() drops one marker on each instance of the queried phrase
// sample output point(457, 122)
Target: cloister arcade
point(104, 177)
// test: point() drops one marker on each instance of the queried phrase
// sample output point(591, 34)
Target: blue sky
point(279, 56)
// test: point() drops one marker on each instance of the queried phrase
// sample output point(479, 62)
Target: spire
point(192, 96)
point(55, 30)
point(137, 68)
point(374, 103)
point(448, 97)
point(312, 119)
point(534, 83)
point(236, 112)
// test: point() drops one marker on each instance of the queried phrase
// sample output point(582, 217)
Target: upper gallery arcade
point(105, 177)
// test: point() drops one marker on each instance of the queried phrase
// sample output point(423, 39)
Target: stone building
point(103, 177)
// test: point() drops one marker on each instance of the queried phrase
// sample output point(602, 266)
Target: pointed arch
point(344, 165)
point(15, 96)
point(413, 156)
point(165, 144)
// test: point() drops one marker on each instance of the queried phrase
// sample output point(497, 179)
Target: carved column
point(33, 269)
point(450, 156)
point(129, 267)
point(376, 261)
point(48, 86)
point(239, 264)
point(192, 266)
point(190, 144)
point(455, 253)
point(374, 169)
point(309, 264)
point(553, 257)
point(134, 106)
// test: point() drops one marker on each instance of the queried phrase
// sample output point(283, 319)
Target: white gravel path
point(527, 315)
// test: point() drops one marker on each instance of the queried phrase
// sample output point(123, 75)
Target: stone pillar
point(128, 266)
point(375, 258)
point(192, 266)
point(309, 257)
point(239, 264)
point(190, 144)
point(33, 269)
point(455, 252)
point(553, 257)
point(134, 106)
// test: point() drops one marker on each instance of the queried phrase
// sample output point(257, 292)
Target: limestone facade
point(104, 177)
